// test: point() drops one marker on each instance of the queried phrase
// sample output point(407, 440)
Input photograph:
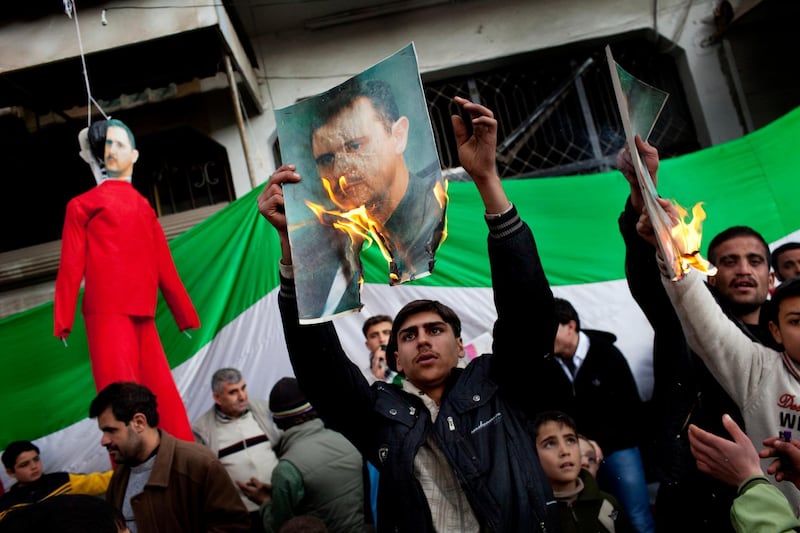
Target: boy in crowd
point(23, 463)
point(582, 506)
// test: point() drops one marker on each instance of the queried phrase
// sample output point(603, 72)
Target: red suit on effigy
point(113, 239)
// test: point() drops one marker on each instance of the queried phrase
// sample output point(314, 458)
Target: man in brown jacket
point(162, 484)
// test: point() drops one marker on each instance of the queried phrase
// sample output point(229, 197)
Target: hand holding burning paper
point(677, 241)
point(371, 175)
point(687, 236)
point(684, 238)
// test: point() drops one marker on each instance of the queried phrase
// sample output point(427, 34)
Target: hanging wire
point(72, 12)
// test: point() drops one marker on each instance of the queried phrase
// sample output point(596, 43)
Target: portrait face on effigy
point(119, 155)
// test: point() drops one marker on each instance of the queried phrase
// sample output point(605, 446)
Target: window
point(556, 109)
point(180, 170)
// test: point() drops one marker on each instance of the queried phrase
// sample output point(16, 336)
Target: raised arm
point(526, 324)
point(649, 155)
point(271, 206)
point(641, 269)
point(736, 361)
point(334, 385)
point(675, 390)
point(477, 154)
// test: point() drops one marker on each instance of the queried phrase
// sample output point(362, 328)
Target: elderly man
point(239, 431)
point(162, 484)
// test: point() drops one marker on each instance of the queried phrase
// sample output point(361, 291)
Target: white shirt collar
point(580, 354)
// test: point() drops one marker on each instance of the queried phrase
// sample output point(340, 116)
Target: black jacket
point(593, 511)
point(482, 427)
point(603, 400)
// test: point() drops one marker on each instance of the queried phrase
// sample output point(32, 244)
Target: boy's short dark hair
point(415, 307)
point(126, 398)
point(565, 312)
point(14, 449)
point(787, 289)
point(776, 254)
point(732, 233)
point(371, 321)
point(553, 416)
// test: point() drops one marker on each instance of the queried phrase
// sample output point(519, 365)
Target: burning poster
point(370, 177)
point(678, 241)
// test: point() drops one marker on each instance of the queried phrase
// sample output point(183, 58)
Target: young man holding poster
point(454, 446)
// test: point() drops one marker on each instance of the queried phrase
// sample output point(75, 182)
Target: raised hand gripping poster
point(370, 177)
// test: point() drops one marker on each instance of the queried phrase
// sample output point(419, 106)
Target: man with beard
point(684, 390)
point(162, 484)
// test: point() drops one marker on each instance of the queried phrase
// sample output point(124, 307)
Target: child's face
point(559, 454)
point(27, 468)
point(588, 457)
point(787, 332)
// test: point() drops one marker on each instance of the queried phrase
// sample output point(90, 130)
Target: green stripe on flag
point(229, 261)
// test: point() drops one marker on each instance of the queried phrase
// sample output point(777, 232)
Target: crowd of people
point(546, 433)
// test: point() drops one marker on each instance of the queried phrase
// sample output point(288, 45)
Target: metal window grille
point(556, 110)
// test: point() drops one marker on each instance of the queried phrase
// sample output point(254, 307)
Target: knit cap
point(287, 400)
